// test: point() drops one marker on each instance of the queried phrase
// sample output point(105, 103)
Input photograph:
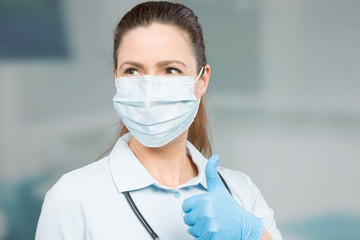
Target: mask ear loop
point(199, 77)
point(201, 70)
point(197, 109)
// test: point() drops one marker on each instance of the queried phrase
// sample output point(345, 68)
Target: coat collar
point(129, 174)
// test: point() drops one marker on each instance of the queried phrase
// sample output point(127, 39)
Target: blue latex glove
point(216, 215)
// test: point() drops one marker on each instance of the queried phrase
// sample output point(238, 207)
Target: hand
point(216, 215)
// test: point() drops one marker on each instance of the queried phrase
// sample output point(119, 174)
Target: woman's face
point(160, 50)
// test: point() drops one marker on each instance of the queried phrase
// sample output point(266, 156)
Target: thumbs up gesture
point(216, 215)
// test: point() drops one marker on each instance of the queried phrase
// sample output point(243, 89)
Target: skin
point(168, 164)
point(143, 52)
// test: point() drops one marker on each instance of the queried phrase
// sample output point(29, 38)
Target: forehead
point(154, 43)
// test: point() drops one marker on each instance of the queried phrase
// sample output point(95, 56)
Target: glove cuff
point(256, 230)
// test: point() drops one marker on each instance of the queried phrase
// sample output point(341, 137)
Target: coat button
point(177, 194)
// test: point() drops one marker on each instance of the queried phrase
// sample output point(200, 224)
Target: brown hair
point(175, 14)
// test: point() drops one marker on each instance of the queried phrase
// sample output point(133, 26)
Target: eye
point(172, 71)
point(131, 71)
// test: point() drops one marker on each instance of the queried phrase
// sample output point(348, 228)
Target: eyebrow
point(168, 62)
point(159, 64)
point(136, 64)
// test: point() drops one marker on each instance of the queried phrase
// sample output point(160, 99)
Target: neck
point(168, 164)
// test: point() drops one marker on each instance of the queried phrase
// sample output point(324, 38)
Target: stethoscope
point(142, 219)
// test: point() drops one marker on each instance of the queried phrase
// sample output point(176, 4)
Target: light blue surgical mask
point(156, 109)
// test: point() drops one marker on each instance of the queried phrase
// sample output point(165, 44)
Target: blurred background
point(283, 103)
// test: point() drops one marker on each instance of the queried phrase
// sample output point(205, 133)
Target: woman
point(156, 181)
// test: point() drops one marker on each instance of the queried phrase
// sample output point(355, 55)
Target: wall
point(283, 103)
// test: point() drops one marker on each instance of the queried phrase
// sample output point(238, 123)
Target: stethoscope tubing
point(141, 217)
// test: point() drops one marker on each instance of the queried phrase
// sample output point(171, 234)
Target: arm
point(261, 209)
point(266, 235)
point(62, 214)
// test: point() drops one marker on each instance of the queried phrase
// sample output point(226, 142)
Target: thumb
point(213, 180)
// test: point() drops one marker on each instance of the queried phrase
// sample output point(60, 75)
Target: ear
point(203, 82)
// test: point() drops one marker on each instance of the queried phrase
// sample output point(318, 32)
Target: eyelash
point(167, 70)
point(127, 71)
point(172, 68)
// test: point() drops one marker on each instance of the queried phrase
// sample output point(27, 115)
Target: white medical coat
point(88, 203)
